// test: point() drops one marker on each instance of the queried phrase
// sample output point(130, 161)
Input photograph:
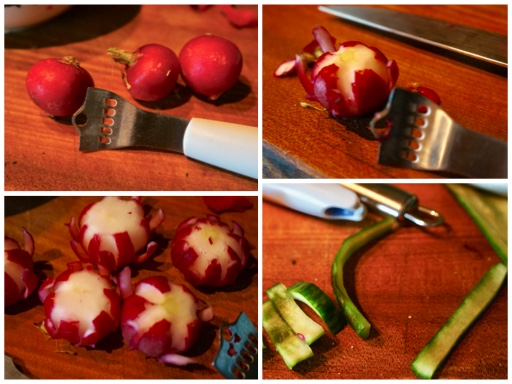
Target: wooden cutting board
point(40, 358)
point(42, 154)
point(407, 285)
point(306, 143)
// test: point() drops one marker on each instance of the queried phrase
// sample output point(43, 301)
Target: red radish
point(150, 73)
point(58, 86)
point(352, 80)
point(219, 204)
point(162, 319)
point(208, 252)
point(114, 232)
point(309, 55)
point(210, 65)
point(19, 277)
point(80, 305)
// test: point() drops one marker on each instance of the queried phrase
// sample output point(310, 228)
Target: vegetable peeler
point(325, 200)
point(108, 121)
point(238, 356)
point(422, 136)
point(396, 202)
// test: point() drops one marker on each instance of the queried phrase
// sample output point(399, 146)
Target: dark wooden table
point(306, 143)
point(45, 219)
point(42, 154)
point(407, 285)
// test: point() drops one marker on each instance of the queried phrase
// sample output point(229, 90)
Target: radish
point(208, 252)
point(162, 319)
point(19, 277)
point(58, 86)
point(352, 80)
point(80, 305)
point(114, 232)
point(210, 65)
point(150, 72)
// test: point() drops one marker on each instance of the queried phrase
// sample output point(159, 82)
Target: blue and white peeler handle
point(329, 201)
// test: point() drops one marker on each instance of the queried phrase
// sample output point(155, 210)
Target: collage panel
point(385, 91)
point(131, 97)
point(131, 288)
point(384, 281)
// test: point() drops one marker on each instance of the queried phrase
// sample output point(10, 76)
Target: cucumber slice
point(490, 213)
point(474, 304)
point(352, 244)
point(311, 295)
point(292, 348)
point(301, 323)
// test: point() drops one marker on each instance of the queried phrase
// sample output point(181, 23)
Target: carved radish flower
point(352, 80)
point(19, 277)
point(208, 252)
point(162, 319)
point(114, 233)
point(80, 305)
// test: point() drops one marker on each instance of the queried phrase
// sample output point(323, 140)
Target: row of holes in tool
point(245, 357)
point(107, 121)
point(416, 133)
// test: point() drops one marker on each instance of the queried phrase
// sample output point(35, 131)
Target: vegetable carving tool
point(478, 44)
point(325, 200)
point(422, 136)
point(238, 356)
point(107, 121)
point(396, 202)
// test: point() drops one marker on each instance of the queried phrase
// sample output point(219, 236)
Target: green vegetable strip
point(490, 213)
point(475, 303)
point(291, 347)
point(318, 301)
point(352, 244)
point(290, 311)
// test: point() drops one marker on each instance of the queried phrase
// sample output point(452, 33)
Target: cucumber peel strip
point(311, 295)
point(352, 244)
point(474, 304)
point(291, 347)
point(489, 212)
point(291, 312)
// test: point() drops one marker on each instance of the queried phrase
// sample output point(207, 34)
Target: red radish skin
point(210, 65)
point(208, 252)
point(80, 305)
point(58, 86)
point(352, 80)
point(162, 319)
point(219, 204)
point(429, 93)
point(150, 73)
point(19, 277)
point(114, 233)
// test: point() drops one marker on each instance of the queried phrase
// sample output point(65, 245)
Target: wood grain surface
point(407, 285)
point(305, 143)
point(42, 153)
point(41, 358)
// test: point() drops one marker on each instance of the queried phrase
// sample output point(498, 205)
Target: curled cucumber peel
point(352, 244)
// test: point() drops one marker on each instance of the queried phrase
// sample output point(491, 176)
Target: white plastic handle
point(325, 200)
point(229, 146)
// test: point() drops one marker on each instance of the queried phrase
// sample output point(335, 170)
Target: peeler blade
point(237, 357)
point(108, 121)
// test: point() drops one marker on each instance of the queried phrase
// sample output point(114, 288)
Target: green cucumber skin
point(311, 295)
point(474, 304)
point(352, 244)
point(480, 206)
point(292, 348)
point(290, 311)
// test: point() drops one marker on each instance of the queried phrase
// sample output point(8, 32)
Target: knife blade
point(478, 44)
